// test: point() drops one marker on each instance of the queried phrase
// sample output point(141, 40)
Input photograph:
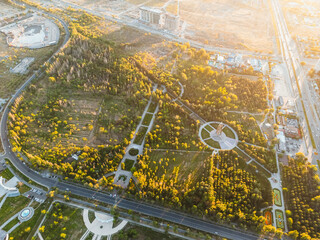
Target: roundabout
point(218, 136)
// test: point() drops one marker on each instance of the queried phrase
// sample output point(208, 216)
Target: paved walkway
point(102, 225)
point(122, 177)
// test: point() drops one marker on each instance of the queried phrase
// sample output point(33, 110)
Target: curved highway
point(140, 207)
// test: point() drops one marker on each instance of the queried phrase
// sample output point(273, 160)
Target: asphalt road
point(143, 208)
point(291, 56)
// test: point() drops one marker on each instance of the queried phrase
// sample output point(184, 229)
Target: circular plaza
point(218, 136)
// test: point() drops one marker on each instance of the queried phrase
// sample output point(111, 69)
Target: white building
point(152, 15)
point(171, 22)
point(282, 141)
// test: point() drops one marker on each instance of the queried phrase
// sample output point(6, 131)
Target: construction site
point(32, 32)
point(240, 24)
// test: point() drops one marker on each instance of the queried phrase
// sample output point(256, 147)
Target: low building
point(292, 132)
point(282, 141)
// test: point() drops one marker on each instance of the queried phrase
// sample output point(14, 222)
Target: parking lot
point(36, 194)
point(293, 145)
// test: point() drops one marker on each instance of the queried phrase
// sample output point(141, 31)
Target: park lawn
point(11, 224)
point(114, 117)
point(152, 107)
point(140, 135)
point(11, 206)
point(147, 119)
point(277, 197)
point(260, 169)
point(213, 143)
point(186, 161)
point(91, 216)
point(229, 133)
point(128, 164)
point(214, 125)
point(205, 134)
point(138, 232)
point(71, 224)
point(7, 174)
point(20, 233)
point(24, 188)
point(279, 219)
point(241, 154)
point(209, 128)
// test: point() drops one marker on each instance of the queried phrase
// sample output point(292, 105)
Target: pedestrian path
point(102, 225)
point(122, 176)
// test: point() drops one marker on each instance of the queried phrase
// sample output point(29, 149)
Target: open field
point(303, 20)
point(11, 206)
point(64, 219)
point(231, 23)
point(132, 231)
point(186, 162)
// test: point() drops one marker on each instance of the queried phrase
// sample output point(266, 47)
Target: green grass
point(90, 236)
point(33, 223)
point(91, 216)
point(279, 219)
point(7, 174)
point(72, 223)
point(132, 231)
point(213, 143)
point(241, 154)
point(140, 135)
point(186, 161)
point(24, 188)
point(229, 133)
point(147, 119)
point(11, 206)
point(133, 151)
point(277, 197)
point(152, 107)
point(11, 224)
point(128, 164)
point(209, 128)
point(205, 134)
point(260, 169)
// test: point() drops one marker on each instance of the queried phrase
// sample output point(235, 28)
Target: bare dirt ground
point(7, 10)
point(228, 23)
point(303, 20)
